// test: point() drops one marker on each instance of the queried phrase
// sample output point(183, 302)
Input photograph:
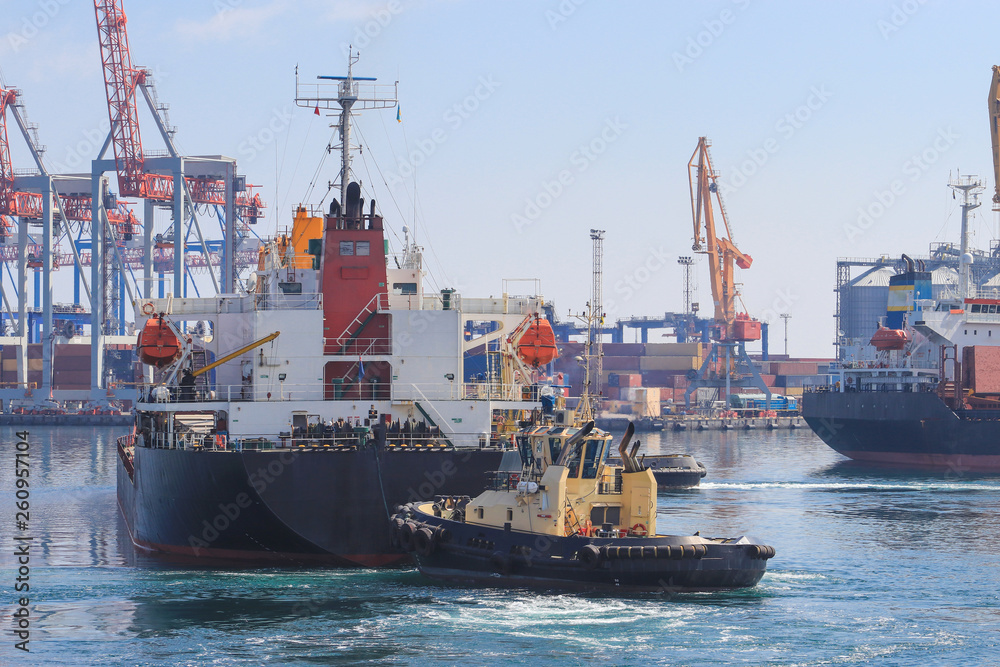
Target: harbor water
point(872, 565)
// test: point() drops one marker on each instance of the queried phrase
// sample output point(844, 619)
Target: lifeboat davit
point(537, 345)
point(890, 339)
point(157, 345)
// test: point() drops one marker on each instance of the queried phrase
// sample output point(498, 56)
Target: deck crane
point(727, 364)
point(994, 105)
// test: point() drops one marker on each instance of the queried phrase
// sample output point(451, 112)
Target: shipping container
point(629, 379)
point(623, 349)
point(664, 379)
point(620, 363)
point(71, 364)
point(981, 368)
point(669, 363)
point(794, 368)
point(673, 350)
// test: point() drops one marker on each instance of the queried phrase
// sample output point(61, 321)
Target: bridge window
point(347, 248)
point(976, 307)
point(363, 248)
point(591, 458)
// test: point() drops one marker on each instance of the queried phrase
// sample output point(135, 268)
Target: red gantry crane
point(727, 364)
point(123, 81)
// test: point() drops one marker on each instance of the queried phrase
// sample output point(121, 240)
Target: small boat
point(557, 515)
point(672, 471)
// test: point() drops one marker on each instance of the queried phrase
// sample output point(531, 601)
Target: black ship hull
point(905, 428)
point(285, 506)
point(466, 553)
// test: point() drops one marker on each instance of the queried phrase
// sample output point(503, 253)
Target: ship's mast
point(347, 94)
point(970, 187)
point(590, 397)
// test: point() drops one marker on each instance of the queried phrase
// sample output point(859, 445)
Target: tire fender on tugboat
point(501, 562)
point(406, 532)
point(394, 528)
point(423, 541)
point(590, 556)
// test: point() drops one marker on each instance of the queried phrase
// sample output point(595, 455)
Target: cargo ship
point(925, 389)
point(282, 425)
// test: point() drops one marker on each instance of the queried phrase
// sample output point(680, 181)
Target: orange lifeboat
point(890, 339)
point(157, 345)
point(537, 345)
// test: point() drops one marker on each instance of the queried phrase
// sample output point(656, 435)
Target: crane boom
point(121, 80)
point(233, 355)
point(994, 105)
point(722, 252)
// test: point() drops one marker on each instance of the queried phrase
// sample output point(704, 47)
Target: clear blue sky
point(833, 99)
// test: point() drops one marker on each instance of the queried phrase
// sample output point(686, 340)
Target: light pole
point(786, 317)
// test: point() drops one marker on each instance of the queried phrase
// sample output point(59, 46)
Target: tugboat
point(557, 515)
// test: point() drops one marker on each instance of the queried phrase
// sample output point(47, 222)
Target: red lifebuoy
point(148, 308)
point(639, 529)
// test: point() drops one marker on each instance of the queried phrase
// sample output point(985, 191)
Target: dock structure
point(50, 221)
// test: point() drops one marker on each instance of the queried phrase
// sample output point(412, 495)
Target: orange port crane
point(721, 251)
point(994, 105)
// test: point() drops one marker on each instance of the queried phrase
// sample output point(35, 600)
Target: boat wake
point(991, 487)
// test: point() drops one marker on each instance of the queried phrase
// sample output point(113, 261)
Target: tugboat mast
point(590, 397)
point(347, 94)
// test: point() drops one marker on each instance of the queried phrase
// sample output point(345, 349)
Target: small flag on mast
point(317, 110)
point(399, 118)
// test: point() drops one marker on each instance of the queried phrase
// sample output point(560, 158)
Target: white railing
point(358, 346)
point(158, 394)
point(230, 303)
